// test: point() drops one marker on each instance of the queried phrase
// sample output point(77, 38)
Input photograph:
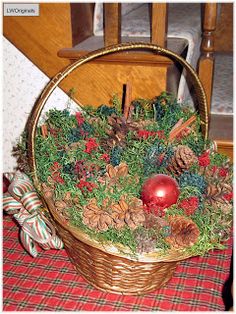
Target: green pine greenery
point(143, 157)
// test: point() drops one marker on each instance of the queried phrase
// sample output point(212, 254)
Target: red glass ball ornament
point(5, 184)
point(159, 192)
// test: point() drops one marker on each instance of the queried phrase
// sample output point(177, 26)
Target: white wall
point(22, 84)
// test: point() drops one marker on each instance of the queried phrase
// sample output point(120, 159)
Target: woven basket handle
point(56, 80)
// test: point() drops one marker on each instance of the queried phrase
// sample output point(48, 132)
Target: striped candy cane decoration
point(23, 203)
point(28, 243)
point(10, 205)
point(31, 201)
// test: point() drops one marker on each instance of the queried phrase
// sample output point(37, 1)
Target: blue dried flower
point(115, 155)
point(157, 157)
point(191, 179)
point(106, 111)
point(74, 135)
point(69, 169)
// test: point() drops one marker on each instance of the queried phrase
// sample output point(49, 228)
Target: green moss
point(143, 157)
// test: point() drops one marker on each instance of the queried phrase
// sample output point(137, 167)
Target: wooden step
point(149, 73)
point(92, 43)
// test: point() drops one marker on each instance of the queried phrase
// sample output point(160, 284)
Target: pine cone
point(226, 208)
point(95, 217)
point(61, 207)
point(139, 125)
point(182, 160)
point(21, 157)
point(118, 214)
point(128, 213)
point(47, 190)
point(155, 222)
point(119, 129)
point(217, 186)
point(117, 133)
point(215, 194)
point(145, 242)
point(113, 174)
point(184, 232)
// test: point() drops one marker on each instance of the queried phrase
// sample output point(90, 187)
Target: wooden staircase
point(106, 76)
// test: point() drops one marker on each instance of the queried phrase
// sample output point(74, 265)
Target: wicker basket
point(109, 267)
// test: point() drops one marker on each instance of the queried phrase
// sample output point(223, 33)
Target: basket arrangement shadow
point(131, 191)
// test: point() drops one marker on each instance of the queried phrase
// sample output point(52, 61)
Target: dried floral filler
point(145, 179)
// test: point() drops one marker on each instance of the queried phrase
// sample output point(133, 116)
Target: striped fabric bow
point(23, 203)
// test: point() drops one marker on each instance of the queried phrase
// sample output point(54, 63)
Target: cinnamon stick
point(179, 123)
point(44, 130)
point(177, 130)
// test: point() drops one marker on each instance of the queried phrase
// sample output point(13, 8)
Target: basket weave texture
point(105, 267)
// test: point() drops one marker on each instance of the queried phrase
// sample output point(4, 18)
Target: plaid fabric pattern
point(50, 283)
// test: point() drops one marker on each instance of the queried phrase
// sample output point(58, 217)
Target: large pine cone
point(119, 129)
point(117, 133)
point(184, 232)
point(182, 160)
point(96, 217)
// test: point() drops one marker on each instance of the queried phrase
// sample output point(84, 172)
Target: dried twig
point(128, 98)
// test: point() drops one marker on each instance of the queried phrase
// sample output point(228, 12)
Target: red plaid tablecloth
point(50, 283)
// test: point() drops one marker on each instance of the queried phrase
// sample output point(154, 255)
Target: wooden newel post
point(206, 62)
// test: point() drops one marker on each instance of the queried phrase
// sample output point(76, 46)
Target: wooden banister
point(112, 23)
point(206, 61)
point(158, 23)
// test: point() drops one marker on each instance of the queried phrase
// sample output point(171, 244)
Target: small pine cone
point(213, 190)
point(135, 215)
point(118, 217)
point(224, 206)
point(134, 218)
point(61, 209)
point(184, 232)
point(47, 190)
point(222, 233)
point(60, 205)
point(22, 159)
point(227, 208)
point(95, 217)
point(155, 222)
point(145, 243)
point(118, 214)
point(215, 193)
point(182, 160)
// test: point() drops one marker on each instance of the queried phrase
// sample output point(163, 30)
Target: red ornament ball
point(159, 192)
point(5, 184)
